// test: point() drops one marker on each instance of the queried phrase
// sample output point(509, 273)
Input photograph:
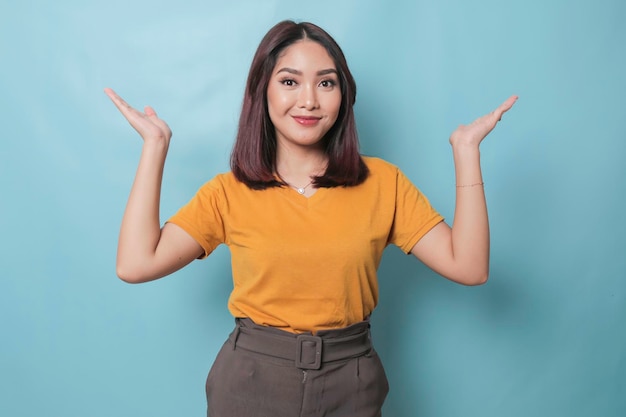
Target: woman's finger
point(119, 102)
point(504, 107)
point(149, 111)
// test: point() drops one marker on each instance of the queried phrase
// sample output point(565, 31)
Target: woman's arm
point(145, 251)
point(461, 252)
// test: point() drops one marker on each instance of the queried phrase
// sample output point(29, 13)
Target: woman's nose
point(308, 98)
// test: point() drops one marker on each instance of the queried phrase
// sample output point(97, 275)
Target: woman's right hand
point(147, 124)
point(145, 251)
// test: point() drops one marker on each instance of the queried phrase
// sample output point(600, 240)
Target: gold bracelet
point(470, 185)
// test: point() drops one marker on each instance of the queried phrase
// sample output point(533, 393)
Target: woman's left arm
point(461, 252)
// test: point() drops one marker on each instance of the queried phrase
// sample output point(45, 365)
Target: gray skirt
point(266, 372)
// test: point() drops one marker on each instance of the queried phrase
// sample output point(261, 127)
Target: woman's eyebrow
point(297, 72)
point(327, 71)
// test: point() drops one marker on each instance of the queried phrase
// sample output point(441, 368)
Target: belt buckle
point(306, 342)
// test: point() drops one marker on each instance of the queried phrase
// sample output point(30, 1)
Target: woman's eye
point(288, 82)
point(327, 83)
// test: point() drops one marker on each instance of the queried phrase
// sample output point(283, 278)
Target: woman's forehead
point(305, 54)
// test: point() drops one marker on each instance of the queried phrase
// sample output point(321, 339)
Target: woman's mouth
point(306, 120)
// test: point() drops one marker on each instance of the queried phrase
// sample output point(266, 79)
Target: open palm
point(147, 124)
point(475, 132)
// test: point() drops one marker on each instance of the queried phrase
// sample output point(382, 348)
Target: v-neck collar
point(293, 195)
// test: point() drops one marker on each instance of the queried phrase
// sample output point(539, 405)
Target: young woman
point(306, 218)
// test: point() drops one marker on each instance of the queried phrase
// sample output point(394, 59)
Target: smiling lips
point(307, 120)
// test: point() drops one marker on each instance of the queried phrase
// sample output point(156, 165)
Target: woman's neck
point(297, 166)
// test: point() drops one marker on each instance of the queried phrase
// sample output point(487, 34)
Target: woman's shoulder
point(379, 166)
point(222, 183)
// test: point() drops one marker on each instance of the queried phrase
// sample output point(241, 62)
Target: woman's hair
point(253, 159)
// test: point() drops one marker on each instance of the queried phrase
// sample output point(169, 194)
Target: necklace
point(300, 190)
point(303, 189)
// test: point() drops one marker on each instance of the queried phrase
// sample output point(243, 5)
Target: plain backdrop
point(544, 337)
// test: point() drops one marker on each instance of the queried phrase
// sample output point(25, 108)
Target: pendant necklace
point(303, 189)
point(300, 190)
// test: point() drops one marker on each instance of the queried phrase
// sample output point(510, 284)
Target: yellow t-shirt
point(307, 264)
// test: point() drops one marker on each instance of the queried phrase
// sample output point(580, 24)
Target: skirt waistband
point(307, 351)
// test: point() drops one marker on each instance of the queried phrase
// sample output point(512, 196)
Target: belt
point(307, 351)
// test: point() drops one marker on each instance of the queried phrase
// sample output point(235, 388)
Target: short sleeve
point(202, 216)
point(414, 216)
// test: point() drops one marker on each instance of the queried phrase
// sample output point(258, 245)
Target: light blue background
point(546, 335)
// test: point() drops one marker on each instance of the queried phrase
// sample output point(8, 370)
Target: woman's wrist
point(157, 146)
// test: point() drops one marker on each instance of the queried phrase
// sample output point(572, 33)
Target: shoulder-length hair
point(253, 158)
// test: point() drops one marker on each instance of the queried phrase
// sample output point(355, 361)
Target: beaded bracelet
point(470, 185)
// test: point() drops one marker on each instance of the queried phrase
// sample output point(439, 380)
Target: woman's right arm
point(145, 251)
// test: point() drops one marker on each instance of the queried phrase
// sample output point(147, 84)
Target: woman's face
point(303, 95)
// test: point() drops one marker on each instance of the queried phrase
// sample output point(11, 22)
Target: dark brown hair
point(253, 159)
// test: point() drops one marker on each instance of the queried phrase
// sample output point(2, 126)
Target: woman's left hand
point(473, 133)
